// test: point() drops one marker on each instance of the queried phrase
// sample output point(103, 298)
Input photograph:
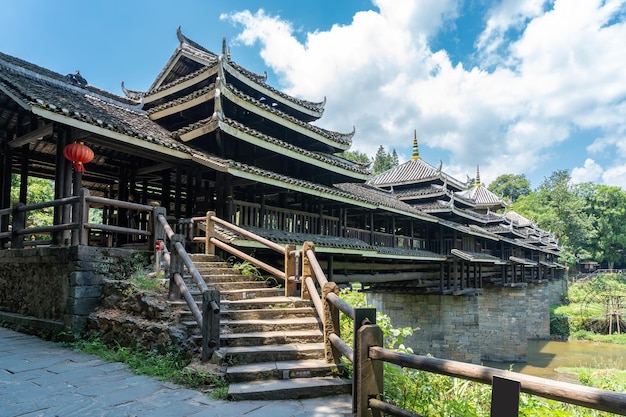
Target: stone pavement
point(39, 378)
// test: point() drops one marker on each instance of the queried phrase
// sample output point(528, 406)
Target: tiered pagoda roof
point(214, 104)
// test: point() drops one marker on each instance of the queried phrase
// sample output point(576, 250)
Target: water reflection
point(545, 356)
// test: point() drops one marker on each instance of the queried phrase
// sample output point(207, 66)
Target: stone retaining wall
point(58, 284)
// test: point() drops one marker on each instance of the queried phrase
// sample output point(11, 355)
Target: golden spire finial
point(416, 153)
point(477, 184)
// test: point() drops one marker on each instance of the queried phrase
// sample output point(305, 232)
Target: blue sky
point(513, 86)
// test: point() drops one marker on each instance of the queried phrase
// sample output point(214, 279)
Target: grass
point(169, 367)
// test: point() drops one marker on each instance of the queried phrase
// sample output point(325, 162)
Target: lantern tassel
point(79, 167)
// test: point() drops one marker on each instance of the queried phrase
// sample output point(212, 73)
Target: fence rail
point(76, 228)
point(367, 356)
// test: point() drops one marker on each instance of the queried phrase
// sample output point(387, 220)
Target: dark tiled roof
point(410, 253)
point(344, 139)
point(197, 93)
point(421, 191)
point(180, 80)
point(238, 166)
point(322, 157)
point(322, 241)
point(413, 171)
point(311, 105)
point(187, 47)
point(482, 197)
point(39, 87)
point(477, 256)
point(382, 198)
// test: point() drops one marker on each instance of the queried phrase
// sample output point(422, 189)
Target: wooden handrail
point(191, 303)
point(317, 269)
point(341, 304)
point(274, 246)
point(54, 203)
point(581, 395)
point(268, 268)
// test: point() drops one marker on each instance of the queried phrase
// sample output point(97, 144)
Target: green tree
point(510, 186)
point(607, 208)
point(559, 207)
point(395, 161)
point(383, 161)
point(38, 190)
point(355, 156)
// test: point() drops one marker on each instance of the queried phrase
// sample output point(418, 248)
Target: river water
point(545, 356)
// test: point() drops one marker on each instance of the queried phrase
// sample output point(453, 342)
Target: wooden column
point(62, 184)
point(5, 184)
point(167, 188)
point(177, 194)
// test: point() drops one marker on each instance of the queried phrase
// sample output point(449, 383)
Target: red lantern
point(79, 154)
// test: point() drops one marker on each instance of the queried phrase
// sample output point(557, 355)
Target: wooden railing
point(75, 231)
point(384, 239)
point(177, 260)
point(256, 215)
point(211, 240)
point(367, 356)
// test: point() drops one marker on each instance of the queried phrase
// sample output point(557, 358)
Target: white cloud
point(561, 73)
point(590, 172)
point(615, 176)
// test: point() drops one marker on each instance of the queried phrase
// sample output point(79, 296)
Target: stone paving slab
point(41, 379)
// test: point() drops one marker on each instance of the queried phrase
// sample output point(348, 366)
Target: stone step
point(263, 338)
point(267, 313)
point(217, 270)
point(229, 286)
point(247, 294)
point(275, 302)
point(239, 355)
point(310, 368)
point(267, 325)
point(222, 278)
point(201, 257)
point(253, 314)
point(275, 337)
point(289, 388)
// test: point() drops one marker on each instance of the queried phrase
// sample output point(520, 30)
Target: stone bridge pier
point(494, 326)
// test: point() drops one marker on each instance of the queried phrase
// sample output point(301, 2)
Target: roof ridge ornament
point(477, 184)
point(179, 34)
point(226, 51)
point(416, 153)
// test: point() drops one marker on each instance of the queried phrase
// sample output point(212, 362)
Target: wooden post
point(176, 266)
point(368, 374)
point(307, 270)
point(210, 323)
point(83, 218)
point(209, 248)
point(290, 270)
point(331, 324)
point(18, 224)
point(504, 397)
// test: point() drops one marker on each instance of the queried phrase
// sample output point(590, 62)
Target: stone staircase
point(271, 345)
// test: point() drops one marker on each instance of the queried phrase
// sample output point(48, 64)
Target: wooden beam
point(153, 168)
point(32, 137)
